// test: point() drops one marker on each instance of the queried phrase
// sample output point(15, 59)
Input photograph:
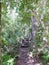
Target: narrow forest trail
point(26, 58)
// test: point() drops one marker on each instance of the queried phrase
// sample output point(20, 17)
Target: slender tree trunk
point(34, 24)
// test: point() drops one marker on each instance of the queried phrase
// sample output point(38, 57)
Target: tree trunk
point(34, 24)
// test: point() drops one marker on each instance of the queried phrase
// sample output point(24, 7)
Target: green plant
point(7, 60)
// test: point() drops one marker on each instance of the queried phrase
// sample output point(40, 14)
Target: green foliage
point(45, 58)
point(5, 57)
point(26, 18)
point(38, 39)
point(16, 21)
point(7, 60)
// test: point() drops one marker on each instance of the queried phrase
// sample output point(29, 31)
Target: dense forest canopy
point(21, 19)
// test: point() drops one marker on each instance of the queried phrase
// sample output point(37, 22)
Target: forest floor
point(26, 58)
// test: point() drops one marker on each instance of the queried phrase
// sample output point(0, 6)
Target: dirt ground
point(26, 58)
